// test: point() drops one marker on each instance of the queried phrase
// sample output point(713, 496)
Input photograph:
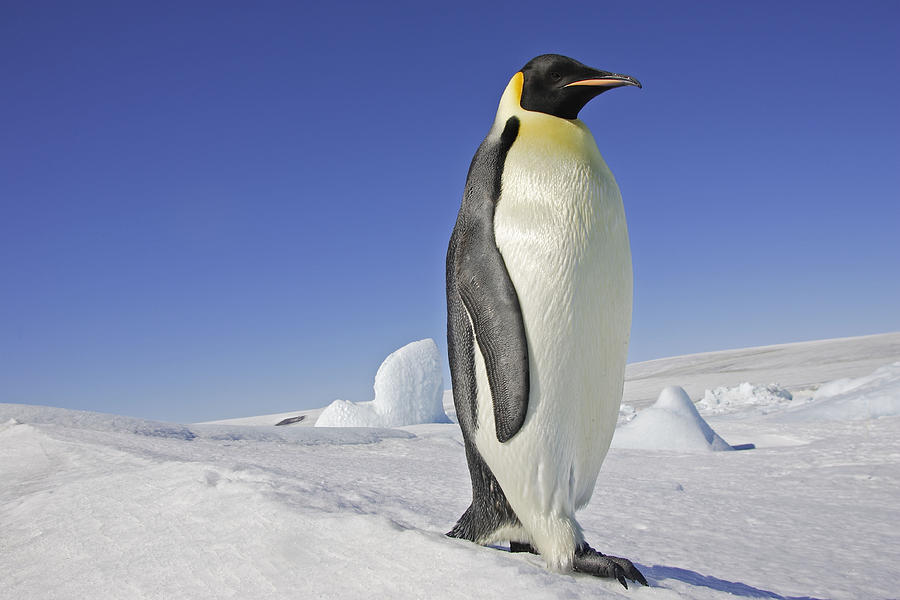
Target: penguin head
point(561, 86)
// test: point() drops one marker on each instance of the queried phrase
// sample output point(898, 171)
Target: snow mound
point(408, 391)
point(761, 399)
point(869, 397)
point(672, 423)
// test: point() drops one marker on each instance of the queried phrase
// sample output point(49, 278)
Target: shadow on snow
point(658, 572)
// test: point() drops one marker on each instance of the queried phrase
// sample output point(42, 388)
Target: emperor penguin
point(539, 294)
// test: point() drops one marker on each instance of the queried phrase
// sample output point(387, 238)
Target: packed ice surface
point(102, 506)
point(409, 388)
point(672, 423)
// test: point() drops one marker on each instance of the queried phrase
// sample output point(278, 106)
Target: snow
point(853, 399)
point(449, 406)
point(409, 387)
point(795, 367)
point(45, 415)
point(271, 419)
point(728, 400)
point(672, 423)
point(626, 414)
point(102, 506)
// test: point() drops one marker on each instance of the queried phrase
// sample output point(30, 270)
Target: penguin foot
point(588, 560)
point(520, 547)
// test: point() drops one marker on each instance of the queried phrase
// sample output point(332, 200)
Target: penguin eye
point(555, 76)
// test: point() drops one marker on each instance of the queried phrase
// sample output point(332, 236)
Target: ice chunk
point(408, 391)
point(672, 423)
point(746, 397)
point(626, 414)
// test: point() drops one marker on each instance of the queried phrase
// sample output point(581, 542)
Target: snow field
point(102, 506)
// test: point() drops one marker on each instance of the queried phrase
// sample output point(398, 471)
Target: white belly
point(563, 236)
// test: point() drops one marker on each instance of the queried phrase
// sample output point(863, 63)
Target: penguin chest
point(560, 227)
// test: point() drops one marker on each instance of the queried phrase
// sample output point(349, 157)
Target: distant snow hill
point(795, 367)
point(104, 506)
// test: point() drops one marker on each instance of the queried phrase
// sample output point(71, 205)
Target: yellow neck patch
point(511, 100)
point(540, 127)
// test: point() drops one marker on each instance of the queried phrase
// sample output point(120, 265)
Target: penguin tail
point(468, 527)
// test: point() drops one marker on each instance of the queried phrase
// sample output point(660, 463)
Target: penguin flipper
point(490, 510)
point(486, 290)
point(493, 307)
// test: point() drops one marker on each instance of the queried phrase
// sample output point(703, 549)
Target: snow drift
point(408, 391)
point(672, 423)
point(19, 415)
point(861, 398)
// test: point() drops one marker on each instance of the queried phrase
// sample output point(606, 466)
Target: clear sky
point(216, 209)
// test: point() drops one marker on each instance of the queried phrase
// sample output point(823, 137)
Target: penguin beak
point(606, 80)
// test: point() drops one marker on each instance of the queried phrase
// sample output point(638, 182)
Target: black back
point(481, 299)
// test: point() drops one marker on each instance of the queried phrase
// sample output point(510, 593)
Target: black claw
point(631, 572)
point(588, 560)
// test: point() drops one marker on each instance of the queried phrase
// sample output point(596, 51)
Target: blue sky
point(214, 209)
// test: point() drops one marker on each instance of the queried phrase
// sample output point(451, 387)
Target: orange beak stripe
point(599, 82)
